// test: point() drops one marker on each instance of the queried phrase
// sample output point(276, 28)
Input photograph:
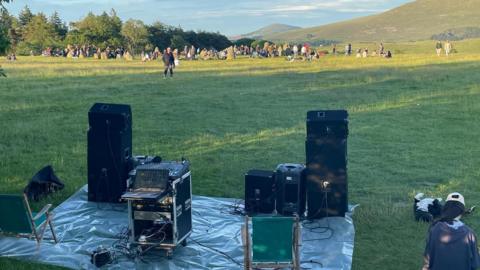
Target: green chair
point(275, 242)
point(17, 219)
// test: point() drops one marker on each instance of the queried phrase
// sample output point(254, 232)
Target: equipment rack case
point(173, 208)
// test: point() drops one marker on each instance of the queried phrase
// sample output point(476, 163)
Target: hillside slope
point(270, 30)
point(418, 20)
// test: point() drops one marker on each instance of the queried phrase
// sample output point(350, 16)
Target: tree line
point(32, 33)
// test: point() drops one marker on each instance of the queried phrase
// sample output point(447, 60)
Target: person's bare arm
point(426, 263)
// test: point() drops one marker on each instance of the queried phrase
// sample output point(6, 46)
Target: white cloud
point(292, 7)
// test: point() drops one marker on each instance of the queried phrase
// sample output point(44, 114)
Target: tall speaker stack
point(326, 159)
point(109, 151)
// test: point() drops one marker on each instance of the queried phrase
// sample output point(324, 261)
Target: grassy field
point(413, 127)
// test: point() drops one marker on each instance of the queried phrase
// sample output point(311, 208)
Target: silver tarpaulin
point(215, 243)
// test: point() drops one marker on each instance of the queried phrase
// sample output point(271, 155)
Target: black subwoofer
point(109, 151)
point(326, 159)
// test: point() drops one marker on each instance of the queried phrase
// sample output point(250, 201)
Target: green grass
point(413, 127)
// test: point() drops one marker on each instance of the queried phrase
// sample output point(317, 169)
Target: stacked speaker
point(326, 159)
point(109, 151)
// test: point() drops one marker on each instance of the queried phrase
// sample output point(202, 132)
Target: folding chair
point(275, 243)
point(16, 218)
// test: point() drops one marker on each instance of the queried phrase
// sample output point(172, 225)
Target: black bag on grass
point(43, 183)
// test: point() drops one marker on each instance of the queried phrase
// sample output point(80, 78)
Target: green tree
point(10, 27)
point(59, 26)
point(191, 38)
point(213, 40)
point(2, 36)
point(136, 34)
point(244, 41)
point(4, 42)
point(103, 30)
point(178, 42)
point(38, 35)
point(5, 25)
point(25, 16)
point(159, 35)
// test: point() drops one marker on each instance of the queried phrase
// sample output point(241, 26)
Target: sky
point(225, 16)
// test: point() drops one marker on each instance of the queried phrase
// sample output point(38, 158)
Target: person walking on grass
point(448, 48)
point(450, 243)
point(438, 48)
point(168, 62)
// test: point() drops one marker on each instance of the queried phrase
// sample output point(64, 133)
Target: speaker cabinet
point(290, 189)
point(109, 151)
point(326, 159)
point(330, 123)
point(259, 192)
point(326, 196)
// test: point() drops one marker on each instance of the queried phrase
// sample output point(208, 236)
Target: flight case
point(161, 217)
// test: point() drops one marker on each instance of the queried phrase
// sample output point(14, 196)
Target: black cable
point(311, 261)
point(235, 209)
point(324, 229)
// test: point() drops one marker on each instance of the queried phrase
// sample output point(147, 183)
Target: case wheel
point(169, 254)
point(184, 243)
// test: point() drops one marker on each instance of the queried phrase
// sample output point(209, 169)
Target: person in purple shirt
point(451, 245)
point(168, 62)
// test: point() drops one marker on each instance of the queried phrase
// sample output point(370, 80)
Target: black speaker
point(329, 123)
point(290, 189)
point(328, 154)
point(326, 196)
point(109, 151)
point(259, 192)
point(326, 159)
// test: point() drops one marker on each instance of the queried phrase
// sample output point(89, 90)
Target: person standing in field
point(438, 48)
point(448, 48)
point(295, 51)
point(304, 52)
point(450, 243)
point(168, 62)
point(382, 49)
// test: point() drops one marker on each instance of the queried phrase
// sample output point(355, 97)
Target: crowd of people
point(85, 51)
point(291, 52)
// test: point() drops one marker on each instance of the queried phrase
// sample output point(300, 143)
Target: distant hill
point(418, 20)
point(269, 30)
